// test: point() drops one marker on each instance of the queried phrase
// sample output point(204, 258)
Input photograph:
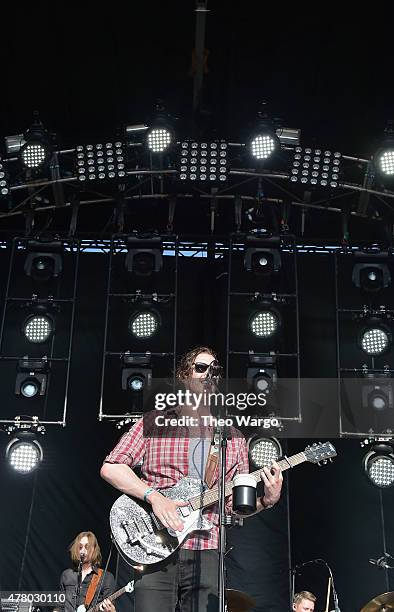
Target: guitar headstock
point(129, 588)
point(320, 452)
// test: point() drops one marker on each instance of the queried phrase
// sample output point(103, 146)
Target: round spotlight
point(30, 387)
point(263, 145)
point(33, 154)
point(264, 324)
point(144, 263)
point(38, 328)
point(385, 162)
point(136, 382)
point(159, 139)
point(144, 324)
point(380, 469)
point(24, 455)
point(263, 451)
point(378, 400)
point(374, 341)
point(42, 268)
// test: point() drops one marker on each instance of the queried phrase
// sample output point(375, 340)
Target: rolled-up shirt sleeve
point(131, 447)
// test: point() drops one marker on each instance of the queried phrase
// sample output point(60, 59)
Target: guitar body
point(140, 538)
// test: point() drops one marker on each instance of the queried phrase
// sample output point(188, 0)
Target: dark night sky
point(87, 68)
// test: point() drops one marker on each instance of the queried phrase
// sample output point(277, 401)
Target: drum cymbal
point(385, 601)
point(237, 601)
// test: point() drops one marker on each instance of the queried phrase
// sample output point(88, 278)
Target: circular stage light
point(144, 324)
point(38, 328)
point(380, 469)
point(30, 387)
point(385, 162)
point(33, 154)
point(136, 382)
point(263, 451)
point(263, 145)
point(24, 455)
point(374, 341)
point(264, 324)
point(158, 139)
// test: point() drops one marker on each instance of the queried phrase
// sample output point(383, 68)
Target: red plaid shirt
point(165, 460)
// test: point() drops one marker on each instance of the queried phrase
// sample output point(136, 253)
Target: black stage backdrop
point(334, 512)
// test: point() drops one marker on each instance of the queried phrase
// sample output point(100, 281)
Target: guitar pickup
point(130, 538)
point(184, 510)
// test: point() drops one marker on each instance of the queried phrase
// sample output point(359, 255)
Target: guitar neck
point(111, 598)
point(212, 496)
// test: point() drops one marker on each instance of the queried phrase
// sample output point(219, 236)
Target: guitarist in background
point(85, 550)
point(190, 577)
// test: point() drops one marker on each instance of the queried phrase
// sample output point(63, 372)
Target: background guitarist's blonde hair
point(93, 545)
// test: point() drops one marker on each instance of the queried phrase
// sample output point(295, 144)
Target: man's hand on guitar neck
point(107, 606)
point(273, 480)
point(166, 510)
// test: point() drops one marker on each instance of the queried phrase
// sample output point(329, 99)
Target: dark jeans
point(190, 580)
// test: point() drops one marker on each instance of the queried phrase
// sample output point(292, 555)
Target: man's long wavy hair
point(185, 365)
point(93, 544)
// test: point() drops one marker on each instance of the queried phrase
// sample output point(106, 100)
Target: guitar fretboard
point(212, 496)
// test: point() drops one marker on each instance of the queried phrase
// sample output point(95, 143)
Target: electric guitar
point(129, 588)
point(140, 537)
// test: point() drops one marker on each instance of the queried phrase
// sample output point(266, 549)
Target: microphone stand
point(78, 591)
point(212, 379)
point(223, 438)
point(334, 593)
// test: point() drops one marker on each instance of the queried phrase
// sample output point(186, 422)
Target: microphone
point(308, 563)
point(213, 372)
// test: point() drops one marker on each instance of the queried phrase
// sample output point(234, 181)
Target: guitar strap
point(212, 461)
point(92, 587)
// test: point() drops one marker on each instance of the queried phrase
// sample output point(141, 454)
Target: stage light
point(262, 262)
point(101, 161)
point(4, 184)
point(263, 451)
point(384, 156)
point(33, 154)
point(138, 377)
point(375, 339)
point(44, 260)
point(203, 162)
point(371, 277)
point(144, 255)
point(315, 167)
point(24, 453)
point(377, 392)
point(38, 328)
point(35, 150)
point(263, 146)
point(159, 139)
point(264, 323)
point(385, 162)
point(32, 377)
point(379, 465)
point(261, 373)
point(144, 324)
